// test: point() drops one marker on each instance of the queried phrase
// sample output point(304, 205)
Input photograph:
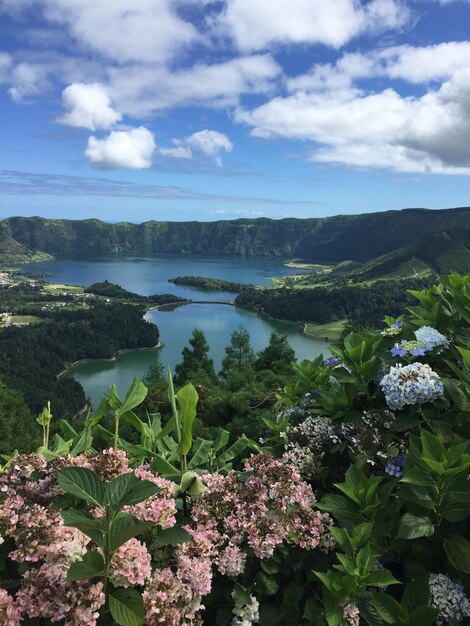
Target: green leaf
point(414, 526)
point(388, 608)
point(269, 566)
point(118, 488)
point(187, 398)
point(424, 616)
point(265, 584)
point(124, 528)
point(90, 526)
point(135, 395)
point(172, 399)
point(98, 415)
point(140, 491)
point(380, 578)
point(165, 469)
point(457, 549)
point(432, 447)
point(416, 593)
point(82, 483)
point(91, 566)
point(171, 537)
point(192, 484)
point(127, 607)
point(200, 453)
point(114, 399)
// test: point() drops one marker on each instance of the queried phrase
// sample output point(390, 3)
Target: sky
point(131, 110)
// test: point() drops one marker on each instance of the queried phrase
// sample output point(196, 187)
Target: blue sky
point(208, 109)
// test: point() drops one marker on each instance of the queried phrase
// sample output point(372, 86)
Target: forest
point(363, 305)
point(33, 356)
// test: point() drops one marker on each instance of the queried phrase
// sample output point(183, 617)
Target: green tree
point(239, 355)
point(277, 356)
point(196, 363)
point(17, 425)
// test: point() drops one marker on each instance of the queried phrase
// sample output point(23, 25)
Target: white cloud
point(257, 25)
point(140, 91)
point(89, 107)
point(147, 31)
point(5, 66)
point(208, 142)
point(349, 126)
point(131, 149)
point(27, 80)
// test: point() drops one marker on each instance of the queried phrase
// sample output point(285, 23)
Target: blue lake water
point(150, 275)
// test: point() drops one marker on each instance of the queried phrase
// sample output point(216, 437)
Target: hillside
point(437, 253)
point(11, 251)
point(333, 239)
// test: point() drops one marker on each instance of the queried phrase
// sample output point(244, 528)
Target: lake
point(150, 275)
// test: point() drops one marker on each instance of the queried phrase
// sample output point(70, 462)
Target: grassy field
point(24, 319)
point(331, 331)
point(56, 287)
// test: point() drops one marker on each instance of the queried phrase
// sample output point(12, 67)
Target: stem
point(116, 432)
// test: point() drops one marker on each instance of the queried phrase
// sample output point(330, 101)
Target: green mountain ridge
point(333, 239)
point(437, 253)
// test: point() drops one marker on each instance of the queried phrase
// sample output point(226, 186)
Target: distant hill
point(11, 251)
point(359, 238)
point(438, 253)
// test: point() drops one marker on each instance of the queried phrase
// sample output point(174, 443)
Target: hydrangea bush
point(354, 512)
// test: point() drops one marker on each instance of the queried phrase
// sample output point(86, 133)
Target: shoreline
point(114, 358)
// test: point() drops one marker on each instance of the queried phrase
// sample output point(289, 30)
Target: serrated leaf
point(82, 483)
point(127, 607)
point(123, 528)
point(381, 578)
point(171, 537)
point(457, 549)
point(416, 593)
point(414, 526)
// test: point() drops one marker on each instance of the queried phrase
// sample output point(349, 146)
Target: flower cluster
point(173, 596)
point(415, 348)
point(431, 337)
point(448, 596)
point(395, 466)
point(246, 612)
point(394, 329)
point(305, 445)
point(331, 361)
point(368, 436)
point(263, 507)
point(131, 565)
point(351, 614)
point(411, 384)
point(35, 530)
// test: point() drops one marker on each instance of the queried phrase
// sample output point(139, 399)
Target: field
point(330, 331)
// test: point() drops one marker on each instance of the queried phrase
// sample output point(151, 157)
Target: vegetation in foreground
point(354, 512)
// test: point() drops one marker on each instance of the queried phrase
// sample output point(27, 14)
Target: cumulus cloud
point(140, 91)
point(27, 80)
point(210, 143)
point(131, 149)
point(257, 25)
point(89, 107)
point(385, 129)
point(145, 31)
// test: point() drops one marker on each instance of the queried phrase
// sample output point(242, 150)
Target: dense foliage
point(355, 512)
point(365, 305)
point(211, 284)
point(111, 290)
point(33, 356)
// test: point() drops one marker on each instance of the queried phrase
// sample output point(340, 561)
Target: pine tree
point(196, 362)
point(239, 355)
point(277, 356)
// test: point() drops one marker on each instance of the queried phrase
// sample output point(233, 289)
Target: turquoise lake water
point(150, 275)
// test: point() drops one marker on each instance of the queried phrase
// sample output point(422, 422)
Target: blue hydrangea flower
point(448, 596)
point(411, 384)
point(397, 324)
point(415, 348)
point(431, 337)
point(331, 361)
point(396, 465)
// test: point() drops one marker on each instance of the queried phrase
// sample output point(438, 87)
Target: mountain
point(11, 251)
point(358, 238)
point(437, 253)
